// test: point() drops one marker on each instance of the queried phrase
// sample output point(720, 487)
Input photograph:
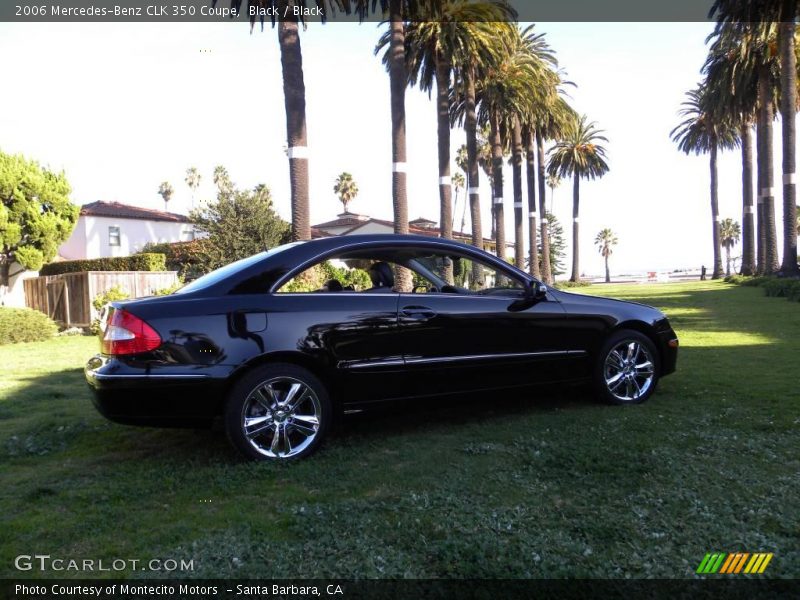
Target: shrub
point(757, 281)
point(148, 261)
point(571, 284)
point(110, 295)
point(189, 259)
point(168, 290)
point(314, 278)
point(738, 279)
point(783, 288)
point(25, 325)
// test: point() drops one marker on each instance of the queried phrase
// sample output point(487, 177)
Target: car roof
point(298, 255)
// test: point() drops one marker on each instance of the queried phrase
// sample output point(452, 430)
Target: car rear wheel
point(627, 368)
point(277, 412)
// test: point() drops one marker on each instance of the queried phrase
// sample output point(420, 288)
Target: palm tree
point(458, 185)
point(550, 122)
point(478, 58)
point(346, 188)
point(788, 75)
point(505, 94)
point(434, 49)
point(553, 182)
point(193, 181)
point(526, 41)
point(165, 190)
point(578, 155)
point(222, 180)
point(729, 232)
point(701, 132)
point(742, 73)
point(605, 241)
point(294, 95)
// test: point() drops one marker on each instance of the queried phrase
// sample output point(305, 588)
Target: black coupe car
point(275, 343)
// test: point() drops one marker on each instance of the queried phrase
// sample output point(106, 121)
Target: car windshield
point(213, 277)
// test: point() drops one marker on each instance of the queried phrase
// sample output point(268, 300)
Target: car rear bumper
point(144, 396)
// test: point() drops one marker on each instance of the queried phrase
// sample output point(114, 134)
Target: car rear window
point(222, 273)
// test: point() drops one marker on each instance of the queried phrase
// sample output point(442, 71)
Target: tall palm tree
point(193, 181)
point(732, 87)
point(222, 180)
point(505, 93)
point(701, 132)
point(458, 185)
point(294, 94)
point(165, 190)
point(578, 155)
point(605, 242)
point(543, 78)
point(550, 122)
point(477, 61)
point(553, 182)
point(434, 49)
point(729, 233)
point(346, 188)
point(771, 56)
point(788, 75)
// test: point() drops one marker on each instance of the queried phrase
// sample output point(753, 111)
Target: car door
point(482, 338)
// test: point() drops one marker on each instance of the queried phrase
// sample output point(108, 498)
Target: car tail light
point(125, 333)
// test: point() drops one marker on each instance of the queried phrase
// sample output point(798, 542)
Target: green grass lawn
point(541, 484)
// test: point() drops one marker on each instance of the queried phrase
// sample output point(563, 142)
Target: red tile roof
point(126, 211)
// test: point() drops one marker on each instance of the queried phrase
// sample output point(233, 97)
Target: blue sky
point(122, 107)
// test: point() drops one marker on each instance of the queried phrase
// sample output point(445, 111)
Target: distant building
point(348, 223)
point(115, 229)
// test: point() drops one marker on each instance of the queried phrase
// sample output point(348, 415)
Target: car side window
point(464, 275)
point(332, 275)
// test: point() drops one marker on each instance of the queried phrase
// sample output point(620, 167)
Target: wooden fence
point(67, 298)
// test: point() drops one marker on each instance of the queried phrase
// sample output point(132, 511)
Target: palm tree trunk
point(547, 272)
point(516, 153)
point(748, 242)
point(770, 235)
point(788, 115)
point(608, 273)
point(473, 177)
point(497, 170)
point(576, 275)
point(727, 260)
point(294, 98)
point(761, 244)
point(530, 172)
point(717, 272)
point(443, 131)
point(398, 82)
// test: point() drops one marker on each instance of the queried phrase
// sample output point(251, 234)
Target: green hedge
point(151, 261)
point(774, 287)
point(559, 285)
point(25, 325)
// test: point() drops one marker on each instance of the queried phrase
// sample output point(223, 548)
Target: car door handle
point(417, 313)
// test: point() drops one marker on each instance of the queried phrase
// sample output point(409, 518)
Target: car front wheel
point(277, 412)
point(627, 368)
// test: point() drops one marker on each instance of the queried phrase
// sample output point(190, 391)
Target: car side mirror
point(538, 291)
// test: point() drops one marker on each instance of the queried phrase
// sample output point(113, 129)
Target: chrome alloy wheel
point(281, 417)
point(629, 371)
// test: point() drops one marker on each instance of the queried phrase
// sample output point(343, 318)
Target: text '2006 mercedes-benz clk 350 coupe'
point(278, 343)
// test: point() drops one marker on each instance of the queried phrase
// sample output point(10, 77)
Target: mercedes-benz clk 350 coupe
point(276, 345)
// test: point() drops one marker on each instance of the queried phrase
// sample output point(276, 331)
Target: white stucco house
point(114, 229)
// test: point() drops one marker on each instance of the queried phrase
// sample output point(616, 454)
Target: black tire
point(264, 397)
point(637, 381)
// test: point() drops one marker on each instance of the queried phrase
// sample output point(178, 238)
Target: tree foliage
point(238, 224)
point(36, 215)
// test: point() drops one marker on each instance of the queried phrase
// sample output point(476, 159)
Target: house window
point(113, 236)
